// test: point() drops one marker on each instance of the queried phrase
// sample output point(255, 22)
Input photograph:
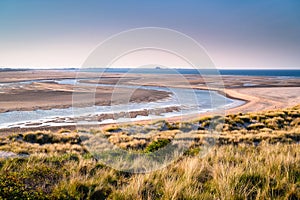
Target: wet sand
point(261, 99)
point(52, 95)
point(15, 76)
point(259, 93)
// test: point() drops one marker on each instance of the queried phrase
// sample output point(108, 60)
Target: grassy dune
point(256, 156)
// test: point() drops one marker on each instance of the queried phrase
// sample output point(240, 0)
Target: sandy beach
point(258, 93)
point(261, 99)
point(52, 95)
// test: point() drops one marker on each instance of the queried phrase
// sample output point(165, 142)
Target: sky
point(236, 34)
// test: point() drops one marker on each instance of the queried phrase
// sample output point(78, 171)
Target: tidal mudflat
point(38, 98)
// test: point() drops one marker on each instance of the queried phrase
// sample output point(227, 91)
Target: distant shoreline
point(223, 72)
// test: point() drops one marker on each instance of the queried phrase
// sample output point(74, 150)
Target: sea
point(238, 72)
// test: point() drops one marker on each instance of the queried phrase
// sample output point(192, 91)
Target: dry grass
point(227, 172)
point(42, 142)
point(249, 128)
point(256, 156)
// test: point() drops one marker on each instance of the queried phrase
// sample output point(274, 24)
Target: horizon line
point(160, 68)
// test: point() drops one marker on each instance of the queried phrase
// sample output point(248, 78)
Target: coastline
point(252, 104)
point(265, 93)
point(47, 95)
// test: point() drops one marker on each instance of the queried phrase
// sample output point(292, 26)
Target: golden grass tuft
point(227, 172)
point(255, 156)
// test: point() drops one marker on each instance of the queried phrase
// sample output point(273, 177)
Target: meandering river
point(186, 101)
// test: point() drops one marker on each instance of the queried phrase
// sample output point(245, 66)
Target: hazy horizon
point(257, 34)
point(126, 67)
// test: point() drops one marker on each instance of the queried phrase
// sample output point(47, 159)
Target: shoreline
point(257, 93)
point(50, 95)
point(229, 93)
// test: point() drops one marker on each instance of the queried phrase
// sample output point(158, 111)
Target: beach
point(49, 95)
point(50, 89)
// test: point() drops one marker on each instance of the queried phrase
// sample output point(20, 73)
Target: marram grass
point(256, 156)
point(227, 172)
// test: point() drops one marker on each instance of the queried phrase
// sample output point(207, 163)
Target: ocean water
point(244, 72)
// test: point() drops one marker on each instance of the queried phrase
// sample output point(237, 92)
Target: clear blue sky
point(236, 33)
